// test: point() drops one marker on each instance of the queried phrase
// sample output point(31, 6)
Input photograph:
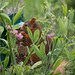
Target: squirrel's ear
point(33, 20)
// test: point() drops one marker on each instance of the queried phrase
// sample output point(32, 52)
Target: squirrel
point(34, 58)
point(34, 26)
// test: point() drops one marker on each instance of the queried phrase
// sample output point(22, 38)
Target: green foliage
point(6, 17)
point(18, 70)
point(54, 17)
point(64, 9)
point(37, 51)
point(36, 35)
point(30, 34)
point(12, 41)
point(58, 62)
point(5, 4)
point(6, 42)
point(26, 60)
point(42, 51)
point(1, 30)
point(16, 26)
point(6, 61)
point(32, 8)
point(63, 24)
point(19, 13)
point(11, 3)
point(37, 64)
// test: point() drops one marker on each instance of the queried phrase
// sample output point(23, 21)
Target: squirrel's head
point(32, 25)
point(29, 24)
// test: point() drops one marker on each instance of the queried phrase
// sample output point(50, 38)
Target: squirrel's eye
point(26, 24)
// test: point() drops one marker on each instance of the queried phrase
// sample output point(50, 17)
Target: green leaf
point(42, 50)
point(37, 51)
point(42, 1)
point(15, 50)
point(30, 34)
point(57, 73)
point(71, 12)
point(4, 50)
point(19, 13)
point(67, 53)
point(36, 35)
point(6, 61)
point(67, 45)
point(28, 49)
point(6, 17)
point(58, 62)
point(16, 26)
point(37, 64)
point(5, 4)
point(63, 25)
point(70, 66)
point(1, 30)
point(4, 41)
point(13, 58)
point(27, 68)
point(72, 52)
point(15, 68)
point(27, 58)
point(64, 9)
